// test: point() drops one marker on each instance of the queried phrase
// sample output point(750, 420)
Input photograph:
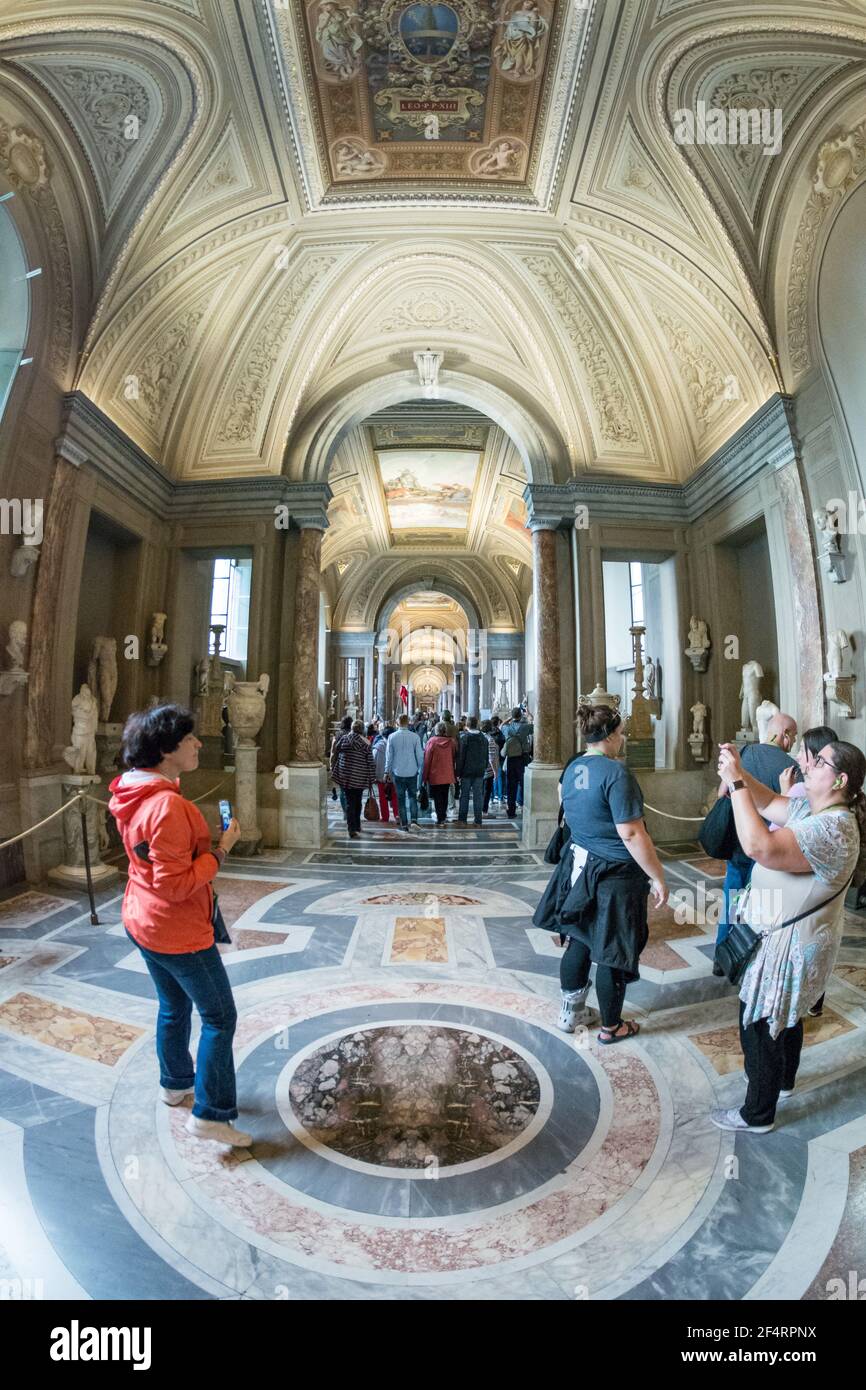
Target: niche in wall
point(106, 605)
point(747, 610)
point(640, 589)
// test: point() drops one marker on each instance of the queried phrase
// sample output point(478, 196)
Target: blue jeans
point(407, 798)
point(497, 786)
point(195, 977)
point(736, 879)
point(475, 785)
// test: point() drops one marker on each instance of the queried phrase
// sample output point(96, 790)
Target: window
point(503, 674)
point(230, 606)
point(636, 580)
point(14, 305)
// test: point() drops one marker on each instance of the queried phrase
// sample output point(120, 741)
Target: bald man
point(764, 761)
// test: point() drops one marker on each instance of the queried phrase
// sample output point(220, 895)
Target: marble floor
point(421, 1129)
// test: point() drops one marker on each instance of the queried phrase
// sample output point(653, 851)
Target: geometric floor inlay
point(722, 1045)
point(71, 1030)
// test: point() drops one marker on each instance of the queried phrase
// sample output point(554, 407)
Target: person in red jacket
point(168, 913)
point(438, 771)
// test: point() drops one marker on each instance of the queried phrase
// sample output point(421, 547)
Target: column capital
point(548, 505)
point(306, 504)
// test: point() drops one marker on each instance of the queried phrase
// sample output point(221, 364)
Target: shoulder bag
point(718, 834)
point(371, 810)
point(734, 954)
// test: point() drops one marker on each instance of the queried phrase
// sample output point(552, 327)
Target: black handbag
point(718, 834)
point(558, 839)
point(733, 955)
point(424, 797)
point(220, 930)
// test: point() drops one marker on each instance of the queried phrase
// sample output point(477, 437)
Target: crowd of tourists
point(433, 765)
point(793, 841)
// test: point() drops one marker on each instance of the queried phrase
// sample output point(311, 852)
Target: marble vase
point(246, 702)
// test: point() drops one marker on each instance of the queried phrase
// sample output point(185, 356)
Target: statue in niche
point(698, 712)
point(649, 671)
point(158, 645)
point(17, 644)
point(698, 649)
point(81, 753)
point(102, 673)
point(837, 645)
point(202, 672)
point(750, 696)
point(827, 525)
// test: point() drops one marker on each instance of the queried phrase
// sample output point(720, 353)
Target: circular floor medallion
point(414, 1096)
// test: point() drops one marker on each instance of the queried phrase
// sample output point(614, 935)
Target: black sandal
point(631, 1030)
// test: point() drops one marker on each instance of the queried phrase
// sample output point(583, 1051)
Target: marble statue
point(202, 672)
point(649, 671)
point(827, 525)
point(102, 673)
point(81, 753)
point(333, 709)
point(698, 649)
point(750, 695)
point(765, 712)
point(158, 646)
point(698, 712)
point(17, 644)
point(16, 676)
point(838, 644)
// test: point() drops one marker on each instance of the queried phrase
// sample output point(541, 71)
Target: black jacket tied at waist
point(606, 909)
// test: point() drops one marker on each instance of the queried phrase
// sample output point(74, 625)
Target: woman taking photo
point(796, 903)
point(168, 910)
point(597, 897)
point(438, 769)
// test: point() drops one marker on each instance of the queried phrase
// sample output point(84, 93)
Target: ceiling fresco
point(444, 91)
point(428, 488)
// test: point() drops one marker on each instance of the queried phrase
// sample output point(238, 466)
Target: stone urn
point(246, 702)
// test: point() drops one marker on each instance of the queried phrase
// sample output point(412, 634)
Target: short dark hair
point(487, 727)
point(472, 721)
point(517, 712)
point(346, 722)
point(149, 734)
point(816, 739)
point(371, 730)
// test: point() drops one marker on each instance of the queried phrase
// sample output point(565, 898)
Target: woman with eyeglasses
point(801, 872)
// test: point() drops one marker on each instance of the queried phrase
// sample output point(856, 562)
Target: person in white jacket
point(403, 762)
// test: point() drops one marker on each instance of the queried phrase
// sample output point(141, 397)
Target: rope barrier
point(79, 796)
point(668, 815)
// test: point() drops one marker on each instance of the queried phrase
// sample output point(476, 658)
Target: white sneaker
point(220, 1131)
point(783, 1095)
point(573, 1005)
point(732, 1119)
point(174, 1097)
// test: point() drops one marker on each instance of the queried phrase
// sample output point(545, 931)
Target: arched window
point(14, 304)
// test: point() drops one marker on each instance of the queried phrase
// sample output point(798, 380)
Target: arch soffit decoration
point(388, 606)
point(177, 45)
point(471, 582)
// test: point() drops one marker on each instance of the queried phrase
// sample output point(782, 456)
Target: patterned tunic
point(793, 966)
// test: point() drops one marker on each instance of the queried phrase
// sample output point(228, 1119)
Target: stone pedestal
point(698, 746)
point(303, 819)
point(108, 740)
point(246, 800)
point(40, 795)
point(540, 804)
point(640, 752)
point(72, 872)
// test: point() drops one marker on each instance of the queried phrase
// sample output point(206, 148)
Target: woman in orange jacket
point(168, 910)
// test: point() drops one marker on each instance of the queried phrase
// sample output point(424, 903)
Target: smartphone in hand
point(225, 814)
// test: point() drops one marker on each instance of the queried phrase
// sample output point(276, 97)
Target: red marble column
point(39, 732)
point(547, 656)
point(805, 587)
point(305, 650)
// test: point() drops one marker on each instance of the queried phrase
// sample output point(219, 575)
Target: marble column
point(550, 506)
point(303, 783)
point(382, 670)
point(39, 736)
point(805, 587)
point(305, 666)
point(547, 662)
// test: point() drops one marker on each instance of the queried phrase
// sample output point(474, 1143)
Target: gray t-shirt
point(599, 793)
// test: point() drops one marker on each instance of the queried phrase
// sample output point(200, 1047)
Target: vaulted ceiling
point(244, 227)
